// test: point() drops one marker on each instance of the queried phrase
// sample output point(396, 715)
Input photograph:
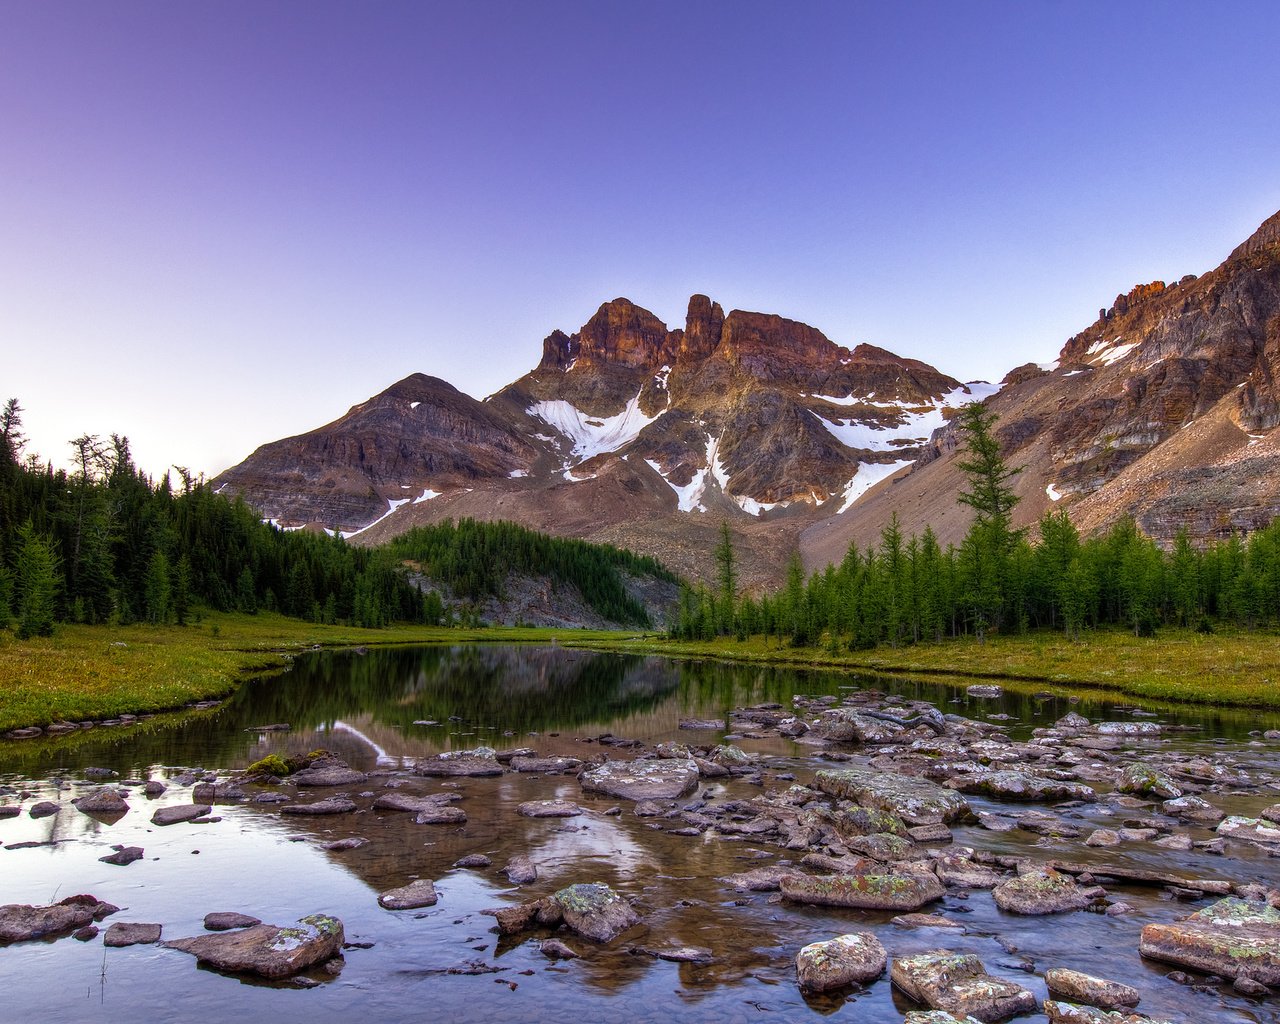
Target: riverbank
point(98, 672)
point(91, 673)
point(1178, 666)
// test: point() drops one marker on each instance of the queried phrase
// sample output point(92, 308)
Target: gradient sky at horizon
point(223, 223)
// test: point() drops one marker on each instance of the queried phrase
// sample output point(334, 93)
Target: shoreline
point(95, 674)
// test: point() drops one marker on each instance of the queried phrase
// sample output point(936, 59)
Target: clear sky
point(226, 222)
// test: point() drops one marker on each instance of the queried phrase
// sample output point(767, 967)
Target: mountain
point(626, 432)
point(1165, 409)
point(638, 435)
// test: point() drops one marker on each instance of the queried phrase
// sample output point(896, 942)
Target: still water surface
point(364, 709)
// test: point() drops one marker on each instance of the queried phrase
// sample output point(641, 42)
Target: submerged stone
point(866, 891)
point(642, 780)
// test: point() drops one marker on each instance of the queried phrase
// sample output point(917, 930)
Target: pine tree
point(157, 590)
point(35, 585)
point(727, 578)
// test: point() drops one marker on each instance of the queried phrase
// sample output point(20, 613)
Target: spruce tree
point(36, 584)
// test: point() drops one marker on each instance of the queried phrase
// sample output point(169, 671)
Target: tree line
point(906, 590)
point(104, 542)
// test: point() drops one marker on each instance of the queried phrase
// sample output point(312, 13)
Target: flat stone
point(218, 793)
point(549, 809)
point(331, 805)
point(926, 921)
point(1129, 728)
point(10, 811)
point(266, 949)
point(473, 860)
point(418, 893)
point(1193, 808)
point(936, 1017)
point(178, 813)
point(642, 780)
point(125, 855)
point(767, 879)
point(1040, 892)
point(1008, 784)
point(1077, 987)
point(481, 761)
point(22, 923)
point(683, 954)
point(962, 873)
point(409, 803)
point(959, 984)
point(880, 891)
point(1231, 938)
point(343, 845)
point(1254, 830)
point(855, 958)
point(595, 911)
point(330, 775)
point(129, 934)
point(1060, 1012)
point(546, 765)
point(224, 921)
point(441, 814)
point(916, 801)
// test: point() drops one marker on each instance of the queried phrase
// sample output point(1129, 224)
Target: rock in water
point(642, 780)
point(419, 893)
point(331, 805)
point(124, 855)
point(267, 949)
point(959, 984)
point(103, 802)
point(1085, 988)
point(1068, 1013)
point(520, 870)
point(1232, 938)
point(226, 920)
point(916, 801)
point(850, 959)
point(481, 761)
point(22, 923)
point(1040, 892)
point(179, 812)
point(124, 933)
point(1143, 778)
point(329, 775)
point(866, 891)
point(549, 809)
point(595, 911)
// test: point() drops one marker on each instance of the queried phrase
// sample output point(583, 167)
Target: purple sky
point(221, 223)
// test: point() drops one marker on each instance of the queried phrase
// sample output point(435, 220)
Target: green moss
point(272, 764)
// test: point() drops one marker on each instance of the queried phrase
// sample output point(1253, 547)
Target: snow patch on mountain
point(914, 423)
point(391, 508)
point(688, 497)
point(868, 475)
point(592, 435)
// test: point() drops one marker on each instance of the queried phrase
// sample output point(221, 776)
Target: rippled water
point(364, 708)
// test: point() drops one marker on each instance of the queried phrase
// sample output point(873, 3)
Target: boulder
point(916, 801)
point(1085, 988)
point(128, 934)
point(595, 911)
point(481, 761)
point(850, 959)
point(1060, 1012)
point(1255, 830)
point(520, 870)
point(44, 809)
point(267, 949)
point(418, 893)
point(959, 984)
point(218, 793)
point(1194, 809)
point(543, 913)
point(103, 802)
point(1040, 892)
point(868, 891)
point(1232, 938)
point(1147, 780)
point(642, 780)
point(178, 813)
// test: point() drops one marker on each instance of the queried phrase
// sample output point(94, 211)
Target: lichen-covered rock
point(1231, 938)
point(1008, 784)
point(419, 893)
point(1193, 808)
point(1077, 987)
point(868, 891)
point(1040, 892)
point(959, 984)
point(548, 809)
point(664, 779)
point(846, 725)
point(1068, 1013)
point(1146, 779)
point(850, 959)
point(595, 911)
point(882, 846)
point(768, 879)
point(866, 821)
point(936, 1017)
point(267, 949)
point(916, 801)
point(1255, 830)
point(482, 761)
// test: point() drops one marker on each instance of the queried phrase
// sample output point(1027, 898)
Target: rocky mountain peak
point(1266, 236)
point(702, 329)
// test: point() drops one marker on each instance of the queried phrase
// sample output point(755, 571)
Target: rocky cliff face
point(1165, 408)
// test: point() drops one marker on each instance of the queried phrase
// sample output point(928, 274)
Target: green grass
point(1240, 669)
point(96, 672)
